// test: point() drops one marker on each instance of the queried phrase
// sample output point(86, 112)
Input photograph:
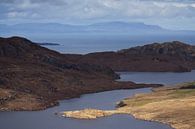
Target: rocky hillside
point(175, 48)
point(33, 77)
point(166, 57)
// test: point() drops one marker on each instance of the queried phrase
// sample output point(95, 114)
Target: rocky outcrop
point(6, 95)
point(89, 113)
point(166, 57)
point(14, 100)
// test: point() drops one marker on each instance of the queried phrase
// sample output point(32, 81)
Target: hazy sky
point(172, 14)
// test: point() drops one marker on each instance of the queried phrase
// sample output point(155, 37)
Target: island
point(48, 44)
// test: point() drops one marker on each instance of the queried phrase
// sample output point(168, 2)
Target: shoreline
point(151, 120)
point(90, 114)
point(176, 110)
point(49, 104)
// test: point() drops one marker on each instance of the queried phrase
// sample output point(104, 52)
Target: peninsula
point(170, 105)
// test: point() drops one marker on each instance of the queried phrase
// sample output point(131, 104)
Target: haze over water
point(87, 43)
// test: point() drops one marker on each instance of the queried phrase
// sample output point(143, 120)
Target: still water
point(104, 100)
point(166, 78)
point(87, 43)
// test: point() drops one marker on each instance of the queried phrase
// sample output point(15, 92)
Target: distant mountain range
point(105, 27)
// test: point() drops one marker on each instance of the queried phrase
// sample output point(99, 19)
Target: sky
point(170, 14)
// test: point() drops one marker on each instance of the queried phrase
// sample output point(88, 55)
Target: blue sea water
point(87, 43)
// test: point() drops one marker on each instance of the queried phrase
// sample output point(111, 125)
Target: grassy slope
point(175, 107)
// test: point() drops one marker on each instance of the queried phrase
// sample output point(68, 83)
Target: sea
point(88, 43)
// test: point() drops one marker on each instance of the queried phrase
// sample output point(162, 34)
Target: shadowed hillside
point(33, 77)
point(166, 57)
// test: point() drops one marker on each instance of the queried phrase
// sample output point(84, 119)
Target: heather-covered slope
point(33, 77)
point(166, 57)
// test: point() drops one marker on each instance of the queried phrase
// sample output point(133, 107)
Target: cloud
point(96, 10)
point(6, 1)
point(101, 8)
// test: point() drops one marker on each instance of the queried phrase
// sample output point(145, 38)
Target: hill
point(33, 77)
point(157, 57)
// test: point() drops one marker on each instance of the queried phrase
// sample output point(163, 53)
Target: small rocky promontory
point(89, 113)
point(172, 105)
